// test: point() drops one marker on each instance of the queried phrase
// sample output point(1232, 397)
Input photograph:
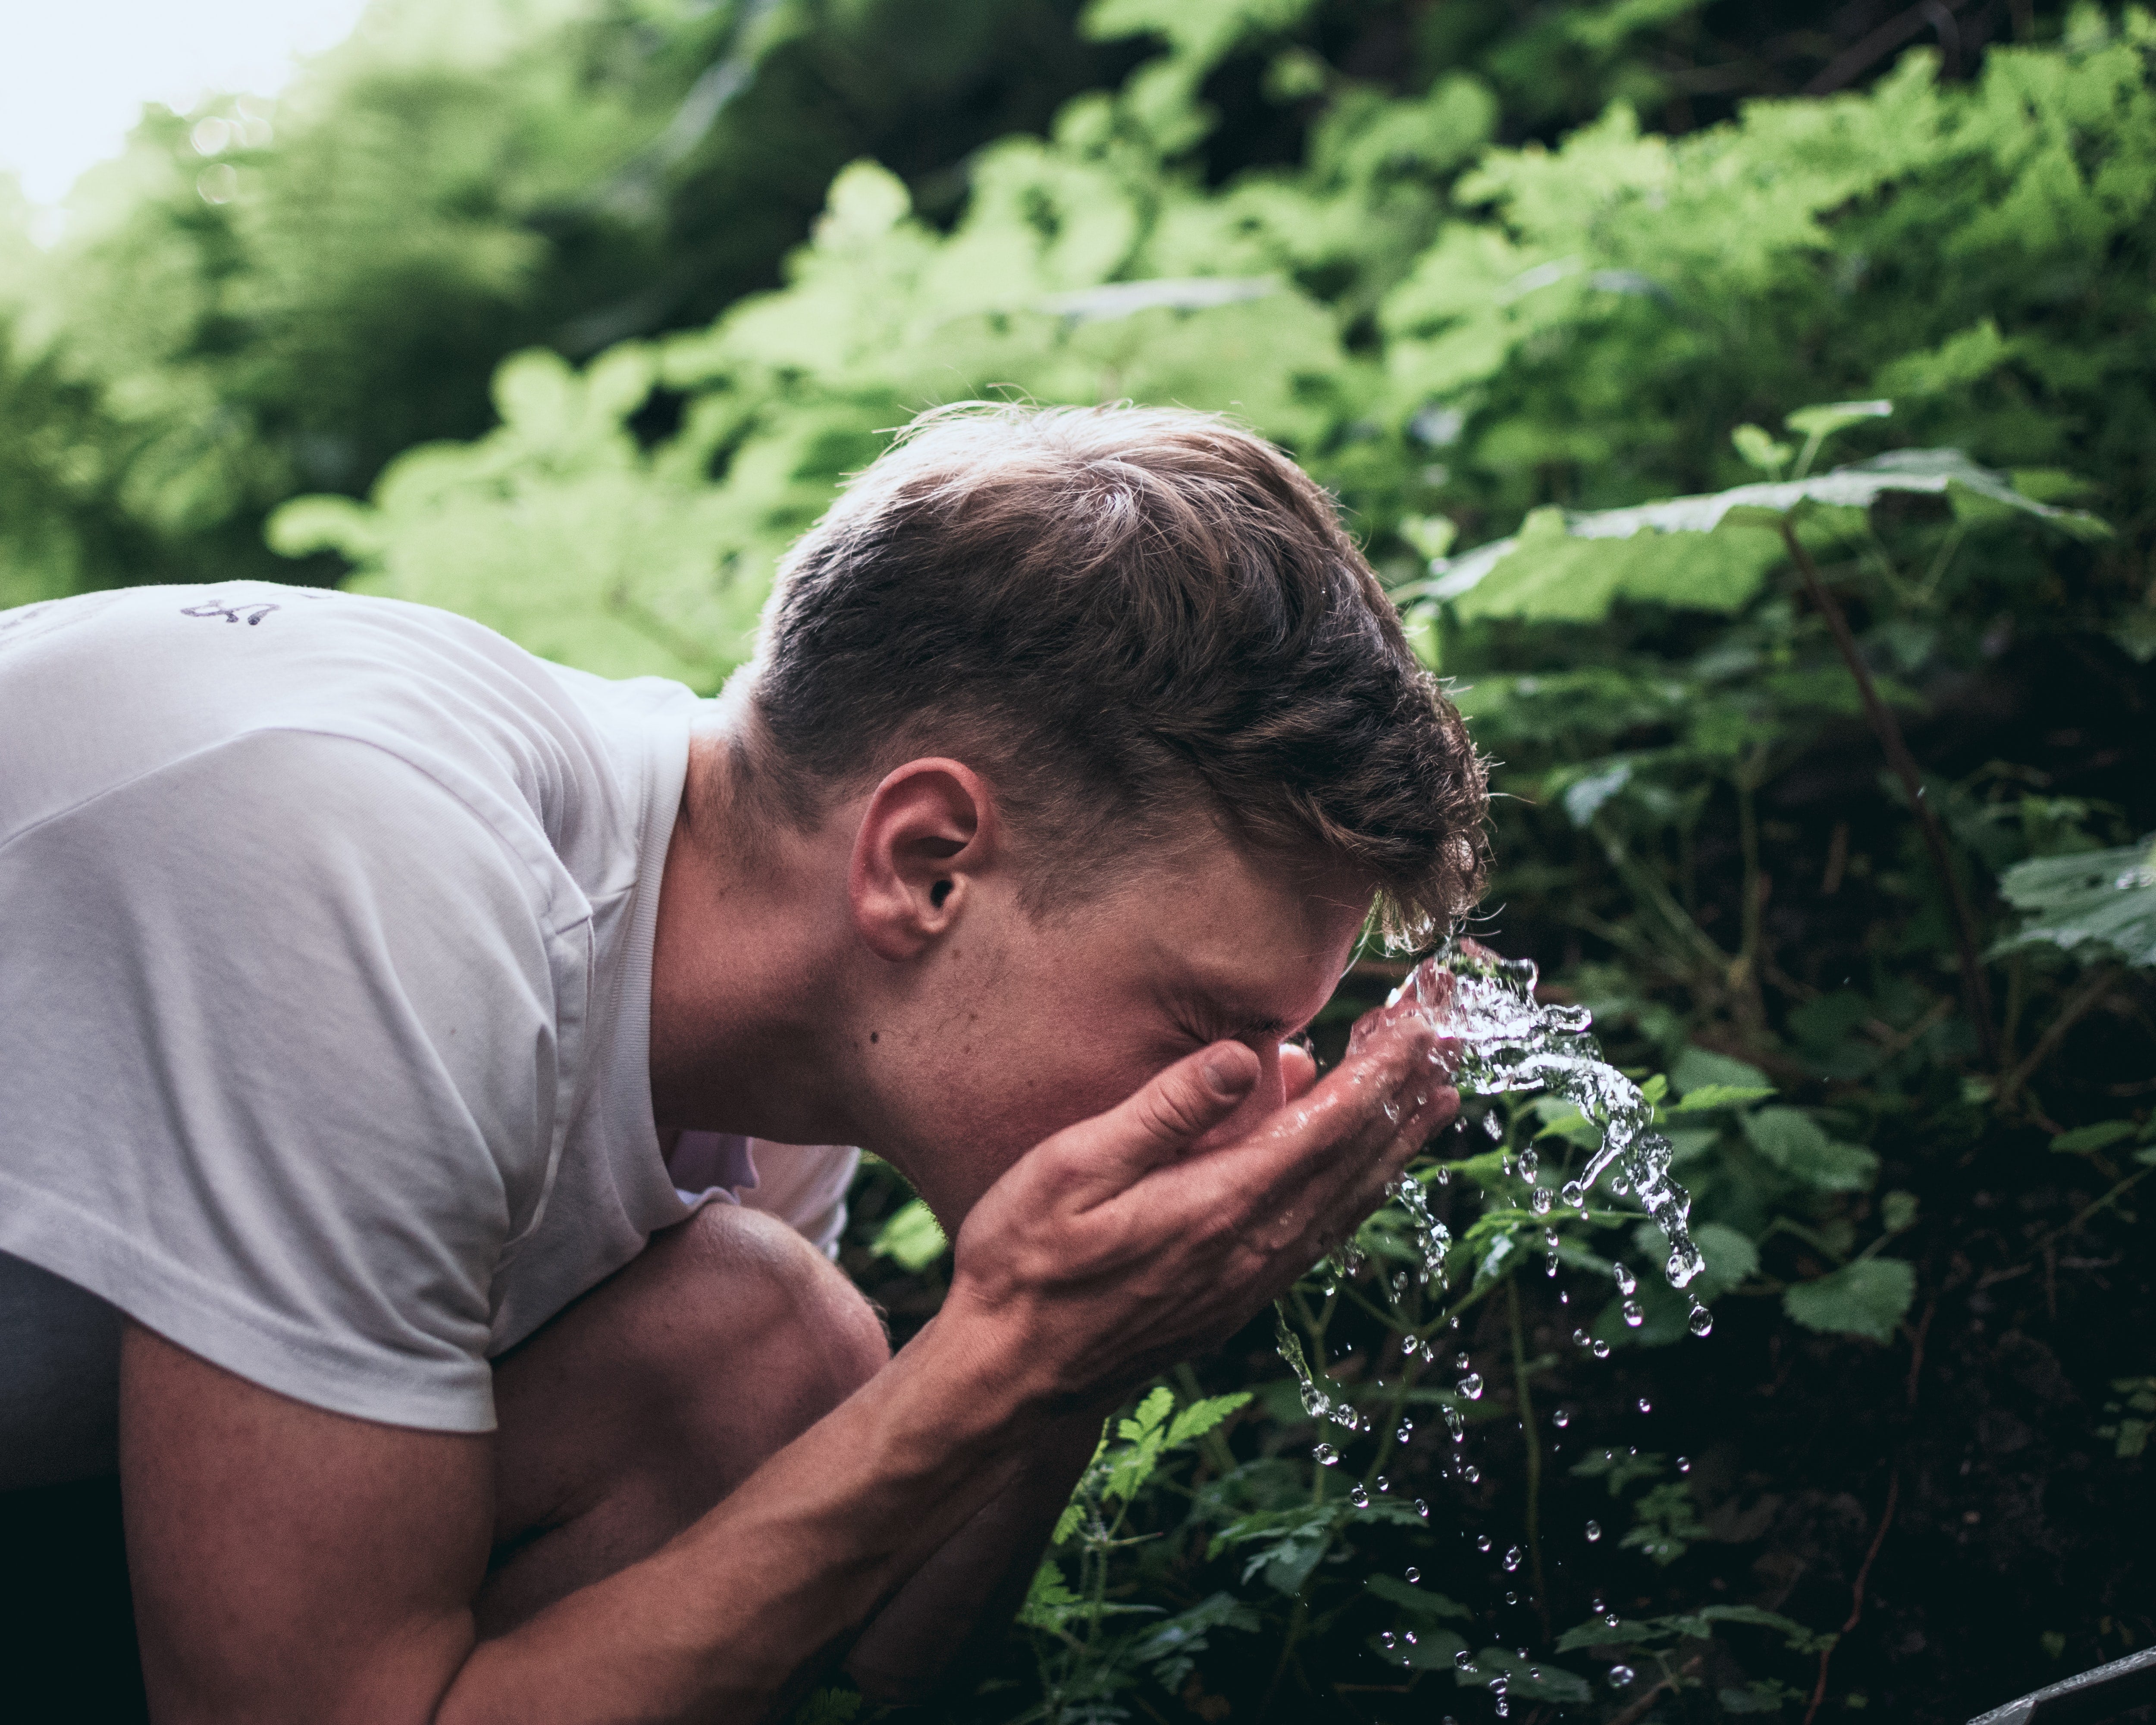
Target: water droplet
point(1574, 1194)
point(1627, 1283)
point(1383, 1484)
point(1411, 1638)
point(1700, 1322)
point(1593, 1531)
point(1529, 1162)
point(1635, 1314)
point(1462, 1659)
point(1482, 1541)
point(1357, 1496)
point(1534, 1673)
point(1621, 1675)
point(1540, 1202)
point(1326, 1455)
point(1414, 1574)
point(1388, 1641)
point(1409, 1344)
point(1511, 1558)
point(1600, 1349)
point(1405, 1432)
point(1580, 1337)
point(1444, 1176)
point(1471, 1386)
point(1492, 1127)
point(1511, 1598)
point(1645, 1406)
point(1609, 1618)
point(1562, 1417)
point(1684, 1464)
point(1472, 1475)
point(1422, 1509)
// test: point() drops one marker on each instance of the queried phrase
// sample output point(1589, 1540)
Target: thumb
point(1161, 1121)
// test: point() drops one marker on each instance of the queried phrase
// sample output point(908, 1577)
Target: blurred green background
point(570, 316)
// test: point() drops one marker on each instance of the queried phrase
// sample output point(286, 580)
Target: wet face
point(1019, 1026)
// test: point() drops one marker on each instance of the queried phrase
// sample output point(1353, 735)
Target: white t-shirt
point(326, 929)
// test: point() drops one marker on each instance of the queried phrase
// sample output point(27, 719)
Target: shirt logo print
point(256, 610)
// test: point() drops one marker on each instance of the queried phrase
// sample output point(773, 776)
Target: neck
point(748, 1013)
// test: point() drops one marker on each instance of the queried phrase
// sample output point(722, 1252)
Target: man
point(363, 972)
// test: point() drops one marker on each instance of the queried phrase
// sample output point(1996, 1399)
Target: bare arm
point(291, 1563)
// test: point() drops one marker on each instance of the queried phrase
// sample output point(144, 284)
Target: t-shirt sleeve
point(280, 1058)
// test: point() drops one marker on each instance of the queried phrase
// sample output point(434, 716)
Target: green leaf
point(2096, 903)
point(1699, 1068)
point(828, 1707)
point(1866, 1299)
point(1433, 1649)
point(1148, 1414)
point(1412, 1598)
point(1554, 570)
point(1531, 1679)
point(1730, 1257)
point(1794, 1142)
point(1897, 1212)
point(2102, 1136)
point(1830, 417)
point(1709, 1096)
point(912, 1239)
point(1200, 1417)
point(1761, 450)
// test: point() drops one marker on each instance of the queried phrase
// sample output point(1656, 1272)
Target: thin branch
point(1888, 730)
point(2079, 1004)
point(1856, 1593)
point(1640, 1708)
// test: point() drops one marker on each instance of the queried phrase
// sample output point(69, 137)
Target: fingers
point(1298, 1070)
point(1161, 1121)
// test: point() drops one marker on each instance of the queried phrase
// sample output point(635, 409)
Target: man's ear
point(926, 835)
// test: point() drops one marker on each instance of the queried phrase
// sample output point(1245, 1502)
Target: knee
point(763, 1320)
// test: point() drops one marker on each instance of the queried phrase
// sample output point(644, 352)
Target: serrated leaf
point(1866, 1299)
point(1795, 1143)
point(912, 1239)
point(1148, 1414)
point(1200, 1417)
point(2099, 902)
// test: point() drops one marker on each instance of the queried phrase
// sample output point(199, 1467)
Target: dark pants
point(67, 1621)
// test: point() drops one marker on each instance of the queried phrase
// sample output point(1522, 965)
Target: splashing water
point(1506, 1041)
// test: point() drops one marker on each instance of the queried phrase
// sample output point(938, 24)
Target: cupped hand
point(1116, 1246)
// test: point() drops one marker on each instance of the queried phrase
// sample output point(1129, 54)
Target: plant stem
point(2079, 1004)
point(1977, 998)
point(1527, 1434)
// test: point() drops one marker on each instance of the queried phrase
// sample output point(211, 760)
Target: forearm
point(715, 1624)
point(969, 1589)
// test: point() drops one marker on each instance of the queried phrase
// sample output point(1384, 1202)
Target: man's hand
point(1118, 1246)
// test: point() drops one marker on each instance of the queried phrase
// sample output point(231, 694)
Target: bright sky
point(74, 74)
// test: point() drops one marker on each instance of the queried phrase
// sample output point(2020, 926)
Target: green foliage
point(2100, 902)
point(1480, 296)
point(1866, 1298)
